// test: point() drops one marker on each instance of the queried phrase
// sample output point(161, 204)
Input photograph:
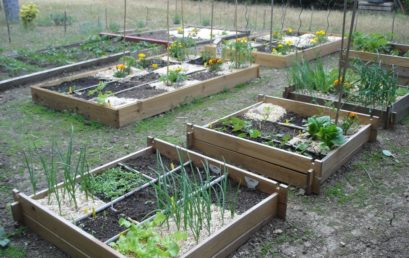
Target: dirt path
point(356, 215)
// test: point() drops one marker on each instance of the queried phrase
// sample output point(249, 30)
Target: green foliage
point(180, 48)
point(239, 51)
point(99, 88)
point(59, 19)
point(205, 22)
point(376, 87)
point(28, 13)
point(176, 19)
point(14, 67)
point(114, 27)
point(4, 238)
point(173, 76)
point(115, 182)
point(237, 124)
point(312, 77)
point(373, 42)
point(322, 129)
point(144, 241)
point(406, 54)
point(72, 163)
point(349, 121)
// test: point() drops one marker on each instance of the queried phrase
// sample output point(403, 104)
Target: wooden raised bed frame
point(281, 165)
point(121, 116)
point(399, 63)
point(388, 118)
point(277, 61)
point(78, 243)
point(135, 36)
point(49, 73)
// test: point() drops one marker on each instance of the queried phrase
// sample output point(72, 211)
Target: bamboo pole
point(211, 21)
point(8, 28)
point(236, 28)
point(124, 19)
point(106, 19)
point(182, 19)
point(312, 12)
point(167, 46)
point(341, 87)
point(271, 25)
point(393, 19)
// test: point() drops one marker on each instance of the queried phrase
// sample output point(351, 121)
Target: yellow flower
point(352, 115)
point(154, 66)
point(179, 69)
point(141, 56)
point(274, 51)
point(336, 83)
point(314, 40)
point(179, 30)
point(289, 42)
point(120, 67)
point(280, 46)
point(289, 30)
point(320, 33)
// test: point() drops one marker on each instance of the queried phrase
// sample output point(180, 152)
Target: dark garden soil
point(75, 84)
point(294, 118)
point(197, 61)
point(103, 226)
point(119, 86)
point(138, 206)
point(202, 76)
point(148, 164)
point(142, 92)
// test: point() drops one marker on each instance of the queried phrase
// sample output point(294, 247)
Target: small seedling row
point(388, 117)
point(161, 36)
point(275, 159)
point(267, 201)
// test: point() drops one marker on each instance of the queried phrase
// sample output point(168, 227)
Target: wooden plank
point(76, 237)
point(338, 157)
point(86, 108)
point(253, 149)
point(270, 170)
point(309, 109)
point(383, 58)
point(401, 108)
point(266, 209)
point(166, 101)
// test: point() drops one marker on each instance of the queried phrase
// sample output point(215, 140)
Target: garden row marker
point(345, 66)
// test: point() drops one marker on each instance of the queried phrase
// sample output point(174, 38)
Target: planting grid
point(361, 211)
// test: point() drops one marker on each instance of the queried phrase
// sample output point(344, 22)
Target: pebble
point(126, 146)
point(300, 192)
point(343, 244)
point(278, 231)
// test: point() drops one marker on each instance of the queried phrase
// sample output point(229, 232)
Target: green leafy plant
point(28, 13)
point(99, 88)
point(322, 129)
point(239, 51)
point(237, 124)
point(145, 242)
point(115, 182)
point(374, 42)
point(350, 120)
point(173, 76)
point(376, 86)
point(180, 48)
point(60, 18)
point(205, 22)
point(176, 19)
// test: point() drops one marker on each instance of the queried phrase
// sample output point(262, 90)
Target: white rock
point(266, 112)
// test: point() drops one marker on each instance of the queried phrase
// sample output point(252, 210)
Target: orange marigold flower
point(120, 67)
point(352, 115)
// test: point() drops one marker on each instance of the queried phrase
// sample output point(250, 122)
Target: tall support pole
point(312, 13)
point(182, 18)
point(393, 19)
point(346, 61)
point(211, 21)
point(124, 19)
point(167, 46)
point(271, 24)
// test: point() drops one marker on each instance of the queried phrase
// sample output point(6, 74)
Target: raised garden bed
point(306, 53)
point(137, 97)
point(397, 62)
point(201, 35)
point(279, 159)
point(93, 234)
point(30, 67)
point(387, 117)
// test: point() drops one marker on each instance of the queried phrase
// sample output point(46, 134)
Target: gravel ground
point(362, 211)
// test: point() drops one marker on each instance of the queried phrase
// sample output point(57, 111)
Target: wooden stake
point(255, 14)
point(271, 24)
point(8, 29)
point(65, 22)
point(106, 19)
point(183, 19)
point(211, 21)
point(264, 20)
point(200, 12)
point(345, 66)
point(312, 12)
point(124, 19)
point(393, 19)
point(236, 28)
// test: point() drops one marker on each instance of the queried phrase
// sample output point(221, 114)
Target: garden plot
point(287, 48)
point(368, 88)
point(289, 141)
point(377, 48)
point(136, 89)
point(154, 204)
point(30, 66)
point(201, 35)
